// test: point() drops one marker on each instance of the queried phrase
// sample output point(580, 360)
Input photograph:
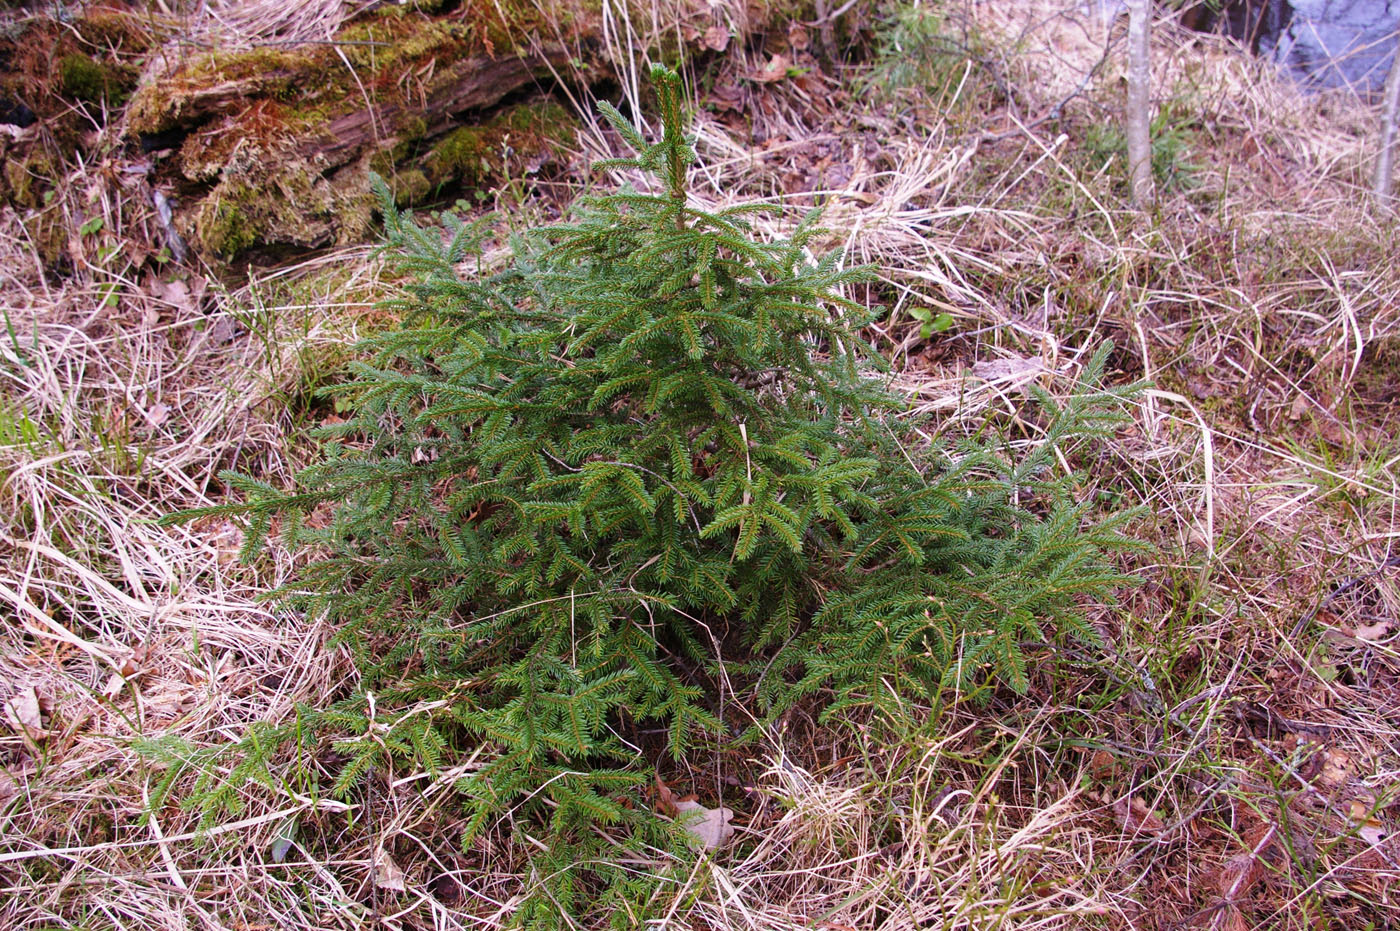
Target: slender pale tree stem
point(1390, 113)
point(1137, 119)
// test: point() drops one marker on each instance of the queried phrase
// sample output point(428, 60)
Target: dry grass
point(1231, 759)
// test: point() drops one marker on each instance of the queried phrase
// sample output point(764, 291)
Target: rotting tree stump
point(265, 151)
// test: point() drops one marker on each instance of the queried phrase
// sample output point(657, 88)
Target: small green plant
point(937, 51)
point(1172, 167)
point(931, 323)
point(573, 499)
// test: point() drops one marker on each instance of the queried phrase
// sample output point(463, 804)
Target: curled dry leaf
point(666, 802)
point(23, 714)
point(1007, 369)
point(387, 874)
point(716, 38)
point(776, 70)
point(1136, 817)
point(709, 826)
point(1101, 765)
point(1334, 767)
point(156, 414)
point(1368, 828)
point(1373, 632)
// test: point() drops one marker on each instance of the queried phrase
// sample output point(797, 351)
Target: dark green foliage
point(568, 492)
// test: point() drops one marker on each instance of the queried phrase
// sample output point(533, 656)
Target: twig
point(1342, 590)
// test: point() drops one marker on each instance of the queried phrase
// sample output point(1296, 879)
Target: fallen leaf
point(666, 800)
point(222, 331)
point(23, 714)
point(726, 96)
point(716, 38)
point(798, 37)
point(447, 890)
point(1101, 765)
point(282, 843)
point(775, 70)
point(387, 874)
point(176, 293)
point(1012, 367)
point(1369, 829)
point(1136, 817)
point(710, 826)
point(1373, 632)
point(156, 414)
point(1335, 768)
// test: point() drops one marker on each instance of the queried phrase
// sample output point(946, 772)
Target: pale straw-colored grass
point(1261, 305)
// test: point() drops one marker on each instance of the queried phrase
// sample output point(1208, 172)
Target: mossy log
point(266, 151)
point(269, 149)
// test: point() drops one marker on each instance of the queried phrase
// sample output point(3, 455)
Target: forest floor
point(1230, 760)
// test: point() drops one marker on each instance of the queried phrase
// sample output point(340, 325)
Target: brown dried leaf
point(1101, 765)
point(175, 293)
point(1335, 768)
point(1369, 828)
point(798, 38)
point(23, 714)
point(1373, 632)
point(1136, 817)
point(776, 70)
point(222, 331)
point(666, 800)
point(1008, 368)
point(387, 874)
point(156, 414)
point(709, 826)
point(726, 96)
point(716, 38)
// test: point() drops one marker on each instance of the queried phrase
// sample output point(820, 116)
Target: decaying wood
point(482, 83)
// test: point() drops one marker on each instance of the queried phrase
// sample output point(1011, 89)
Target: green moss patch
point(87, 79)
point(502, 146)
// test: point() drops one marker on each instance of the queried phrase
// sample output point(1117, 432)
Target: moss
point(354, 205)
point(49, 234)
point(26, 178)
point(228, 80)
point(465, 154)
point(86, 79)
point(388, 43)
point(119, 31)
point(225, 229)
point(413, 128)
point(410, 186)
point(502, 145)
point(266, 199)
